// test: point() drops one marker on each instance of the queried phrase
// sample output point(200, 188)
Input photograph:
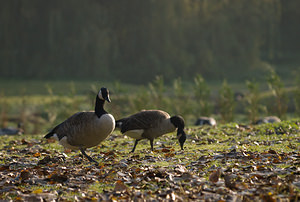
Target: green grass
point(46, 103)
point(40, 105)
point(116, 163)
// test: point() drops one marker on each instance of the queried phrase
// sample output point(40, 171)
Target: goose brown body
point(85, 129)
point(150, 124)
point(268, 119)
point(154, 123)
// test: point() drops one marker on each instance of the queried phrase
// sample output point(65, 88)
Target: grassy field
point(233, 161)
point(227, 162)
point(41, 104)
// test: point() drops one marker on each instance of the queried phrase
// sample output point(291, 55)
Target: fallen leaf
point(37, 191)
point(268, 197)
point(37, 154)
point(214, 176)
point(4, 167)
point(229, 183)
point(169, 154)
point(120, 187)
point(45, 160)
point(24, 175)
point(271, 151)
point(165, 150)
point(55, 177)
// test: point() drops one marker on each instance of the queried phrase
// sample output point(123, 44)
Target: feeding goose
point(268, 119)
point(85, 129)
point(12, 131)
point(205, 121)
point(150, 124)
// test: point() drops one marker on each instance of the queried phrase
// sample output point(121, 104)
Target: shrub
point(181, 104)
point(226, 102)
point(297, 96)
point(280, 104)
point(252, 100)
point(156, 90)
point(202, 97)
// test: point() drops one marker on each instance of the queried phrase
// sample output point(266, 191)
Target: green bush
point(203, 101)
point(226, 102)
point(280, 104)
point(297, 96)
point(157, 89)
point(253, 106)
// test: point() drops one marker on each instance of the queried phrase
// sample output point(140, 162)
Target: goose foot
point(88, 157)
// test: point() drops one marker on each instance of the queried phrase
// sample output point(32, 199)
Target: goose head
point(104, 94)
point(178, 122)
point(101, 97)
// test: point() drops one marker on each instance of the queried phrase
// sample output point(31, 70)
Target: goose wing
point(143, 120)
point(70, 126)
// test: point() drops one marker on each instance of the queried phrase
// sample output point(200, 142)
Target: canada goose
point(85, 129)
point(150, 124)
point(12, 131)
point(238, 96)
point(268, 119)
point(206, 121)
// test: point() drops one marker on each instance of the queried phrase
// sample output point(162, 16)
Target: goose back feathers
point(85, 129)
point(150, 124)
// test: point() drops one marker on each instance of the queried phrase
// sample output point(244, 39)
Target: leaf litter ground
point(226, 163)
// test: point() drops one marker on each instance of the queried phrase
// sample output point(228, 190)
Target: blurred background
point(152, 49)
point(133, 41)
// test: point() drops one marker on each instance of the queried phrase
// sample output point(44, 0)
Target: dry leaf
point(24, 175)
point(229, 183)
point(37, 154)
point(120, 187)
point(214, 176)
point(37, 191)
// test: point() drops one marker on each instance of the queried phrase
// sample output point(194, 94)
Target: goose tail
point(53, 131)
point(49, 135)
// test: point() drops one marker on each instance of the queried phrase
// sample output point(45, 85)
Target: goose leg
point(151, 144)
point(87, 156)
point(135, 143)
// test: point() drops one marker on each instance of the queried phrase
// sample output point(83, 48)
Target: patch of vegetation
point(40, 105)
point(221, 162)
point(280, 96)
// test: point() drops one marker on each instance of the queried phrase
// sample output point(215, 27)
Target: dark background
point(133, 41)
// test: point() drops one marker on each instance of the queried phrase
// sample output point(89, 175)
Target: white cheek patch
point(100, 95)
point(136, 134)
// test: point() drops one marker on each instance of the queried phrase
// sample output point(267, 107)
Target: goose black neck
point(180, 129)
point(99, 110)
point(181, 136)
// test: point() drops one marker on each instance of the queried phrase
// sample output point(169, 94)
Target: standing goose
point(150, 124)
point(85, 129)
